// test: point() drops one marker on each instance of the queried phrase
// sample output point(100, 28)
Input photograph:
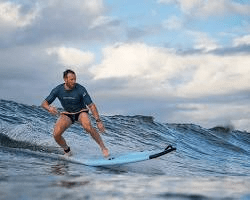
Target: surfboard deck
point(123, 159)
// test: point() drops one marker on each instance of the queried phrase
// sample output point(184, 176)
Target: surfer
point(76, 102)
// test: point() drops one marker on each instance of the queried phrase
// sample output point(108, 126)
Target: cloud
point(240, 45)
point(86, 7)
point(11, 15)
point(13, 18)
point(217, 113)
point(104, 21)
point(55, 21)
point(207, 8)
point(72, 56)
point(154, 70)
point(60, 20)
point(173, 23)
point(203, 41)
point(27, 73)
point(131, 60)
point(137, 33)
point(240, 41)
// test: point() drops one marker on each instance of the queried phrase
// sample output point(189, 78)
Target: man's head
point(69, 77)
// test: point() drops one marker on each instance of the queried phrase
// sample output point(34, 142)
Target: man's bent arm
point(45, 105)
point(49, 108)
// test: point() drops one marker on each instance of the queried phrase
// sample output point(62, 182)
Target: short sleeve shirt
point(71, 100)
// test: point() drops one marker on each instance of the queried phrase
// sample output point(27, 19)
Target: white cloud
point(214, 114)
point(166, 1)
point(242, 123)
point(164, 72)
point(189, 5)
point(211, 7)
point(222, 7)
point(203, 41)
point(173, 23)
point(244, 40)
point(186, 5)
point(133, 60)
point(101, 21)
point(72, 56)
point(54, 21)
point(93, 7)
point(11, 15)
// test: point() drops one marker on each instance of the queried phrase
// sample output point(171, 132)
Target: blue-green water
point(208, 163)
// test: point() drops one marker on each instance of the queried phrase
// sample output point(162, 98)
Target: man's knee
point(57, 136)
point(58, 133)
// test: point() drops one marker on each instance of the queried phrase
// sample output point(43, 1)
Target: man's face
point(70, 80)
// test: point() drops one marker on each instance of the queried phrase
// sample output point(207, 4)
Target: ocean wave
point(215, 151)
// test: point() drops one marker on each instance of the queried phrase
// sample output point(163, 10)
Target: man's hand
point(53, 110)
point(50, 109)
point(100, 126)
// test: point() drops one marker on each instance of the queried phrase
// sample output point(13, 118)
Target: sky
point(180, 61)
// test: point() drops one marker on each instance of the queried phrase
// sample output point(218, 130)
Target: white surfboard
point(123, 159)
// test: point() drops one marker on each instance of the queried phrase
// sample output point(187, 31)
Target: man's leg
point(61, 125)
point(86, 124)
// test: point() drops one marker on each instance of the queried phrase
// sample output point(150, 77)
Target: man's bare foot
point(105, 152)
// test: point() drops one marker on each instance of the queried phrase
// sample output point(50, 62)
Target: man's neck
point(67, 88)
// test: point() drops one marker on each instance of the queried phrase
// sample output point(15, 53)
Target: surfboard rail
point(167, 150)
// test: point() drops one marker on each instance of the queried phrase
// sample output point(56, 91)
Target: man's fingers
point(53, 111)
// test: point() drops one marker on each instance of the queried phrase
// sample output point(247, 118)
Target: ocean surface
point(208, 163)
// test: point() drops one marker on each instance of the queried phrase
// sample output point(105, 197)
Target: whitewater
point(208, 163)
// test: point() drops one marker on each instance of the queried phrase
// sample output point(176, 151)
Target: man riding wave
point(76, 102)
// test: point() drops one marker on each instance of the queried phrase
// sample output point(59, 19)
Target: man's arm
point(95, 113)
point(50, 109)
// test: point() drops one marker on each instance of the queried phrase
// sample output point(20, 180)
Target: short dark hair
point(66, 72)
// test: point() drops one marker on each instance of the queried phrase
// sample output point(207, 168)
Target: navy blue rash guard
point(72, 100)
